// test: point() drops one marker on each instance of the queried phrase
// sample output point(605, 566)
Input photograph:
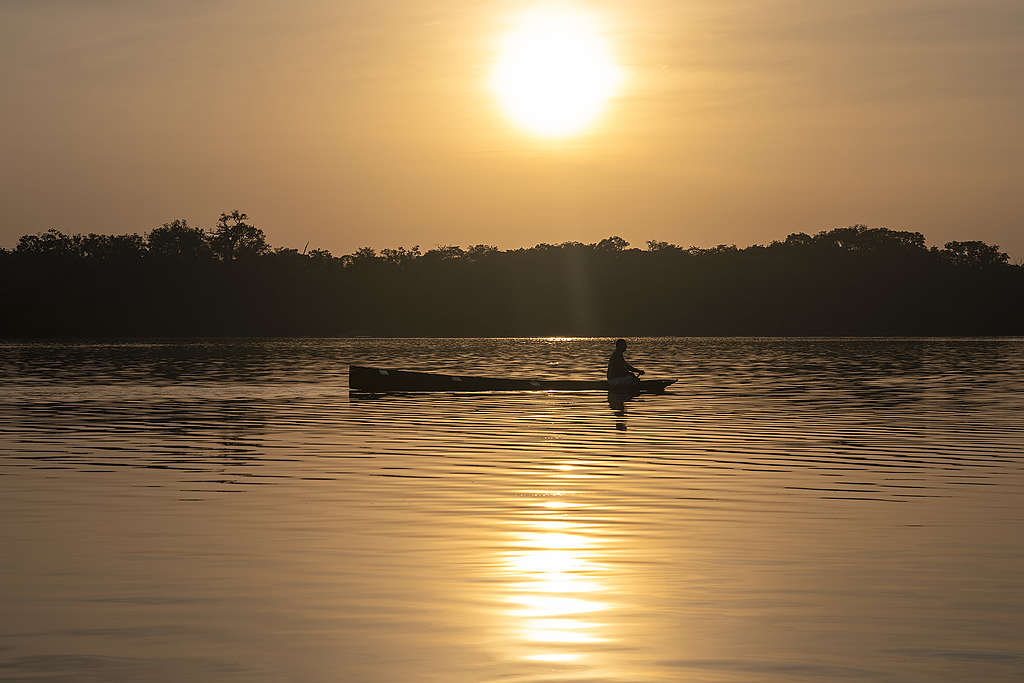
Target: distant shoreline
point(182, 281)
point(172, 340)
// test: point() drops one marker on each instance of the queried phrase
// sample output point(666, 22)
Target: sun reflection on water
point(556, 595)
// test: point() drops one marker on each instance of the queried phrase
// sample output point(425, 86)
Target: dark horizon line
point(129, 340)
point(236, 221)
point(184, 281)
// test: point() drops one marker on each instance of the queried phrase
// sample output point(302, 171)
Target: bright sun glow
point(555, 71)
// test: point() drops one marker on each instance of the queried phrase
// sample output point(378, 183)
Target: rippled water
point(791, 510)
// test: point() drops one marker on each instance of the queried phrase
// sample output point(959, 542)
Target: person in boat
point(621, 373)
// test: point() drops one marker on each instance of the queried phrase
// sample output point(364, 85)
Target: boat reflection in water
point(556, 594)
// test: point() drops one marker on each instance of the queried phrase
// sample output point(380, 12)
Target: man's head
point(620, 344)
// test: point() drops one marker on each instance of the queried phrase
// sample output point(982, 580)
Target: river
point(791, 510)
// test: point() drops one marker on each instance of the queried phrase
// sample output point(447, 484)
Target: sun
point(555, 71)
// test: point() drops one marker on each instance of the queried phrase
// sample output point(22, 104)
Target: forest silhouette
point(182, 280)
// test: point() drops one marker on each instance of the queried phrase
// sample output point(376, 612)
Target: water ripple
point(792, 509)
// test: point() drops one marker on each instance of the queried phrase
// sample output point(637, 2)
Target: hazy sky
point(347, 123)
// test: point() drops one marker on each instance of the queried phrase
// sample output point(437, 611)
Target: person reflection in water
point(617, 402)
point(621, 375)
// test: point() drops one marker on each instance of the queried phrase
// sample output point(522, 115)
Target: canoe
point(376, 380)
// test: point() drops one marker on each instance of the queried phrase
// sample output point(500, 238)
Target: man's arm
point(632, 369)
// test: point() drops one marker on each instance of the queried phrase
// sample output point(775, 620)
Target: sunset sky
point(347, 123)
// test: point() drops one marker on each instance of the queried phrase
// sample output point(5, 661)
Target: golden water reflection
point(556, 594)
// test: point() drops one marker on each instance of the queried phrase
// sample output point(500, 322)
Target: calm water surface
point(791, 510)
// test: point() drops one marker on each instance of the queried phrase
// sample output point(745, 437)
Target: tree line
point(183, 280)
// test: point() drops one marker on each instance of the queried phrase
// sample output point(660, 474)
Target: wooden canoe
point(379, 380)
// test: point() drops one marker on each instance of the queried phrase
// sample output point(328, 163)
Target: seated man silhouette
point(620, 373)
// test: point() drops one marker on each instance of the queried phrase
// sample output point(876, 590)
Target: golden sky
point(347, 123)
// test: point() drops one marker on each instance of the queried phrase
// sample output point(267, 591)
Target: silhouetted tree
point(179, 240)
point(975, 254)
point(363, 257)
point(444, 253)
point(234, 239)
point(320, 256)
point(613, 243)
point(477, 252)
point(52, 243)
point(124, 248)
point(797, 239)
point(401, 256)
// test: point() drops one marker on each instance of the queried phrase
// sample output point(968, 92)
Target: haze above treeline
point(181, 280)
